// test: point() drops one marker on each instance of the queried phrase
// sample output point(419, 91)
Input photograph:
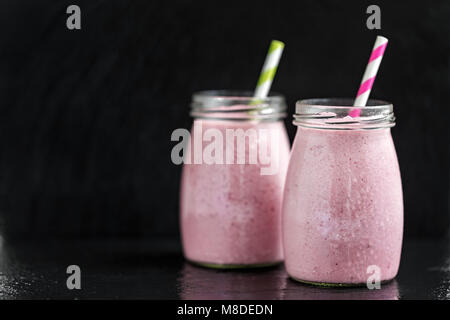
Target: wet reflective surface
point(203, 284)
point(157, 270)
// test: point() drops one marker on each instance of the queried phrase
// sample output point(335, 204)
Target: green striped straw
point(269, 69)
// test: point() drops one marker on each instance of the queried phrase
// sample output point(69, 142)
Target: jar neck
point(339, 114)
point(238, 106)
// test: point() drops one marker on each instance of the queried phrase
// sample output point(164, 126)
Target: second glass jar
point(230, 214)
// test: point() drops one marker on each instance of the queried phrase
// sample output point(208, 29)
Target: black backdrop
point(86, 116)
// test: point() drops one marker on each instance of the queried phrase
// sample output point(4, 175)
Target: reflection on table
point(266, 284)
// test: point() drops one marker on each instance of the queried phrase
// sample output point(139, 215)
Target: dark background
point(86, 116)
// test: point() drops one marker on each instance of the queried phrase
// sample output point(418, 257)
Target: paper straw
point(369, 75)
point(269, 69)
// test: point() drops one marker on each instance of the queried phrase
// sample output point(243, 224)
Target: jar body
point(343, 207)
point(230, 214)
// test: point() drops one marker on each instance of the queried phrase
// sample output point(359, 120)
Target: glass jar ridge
point(237, 105)
point(334, 113)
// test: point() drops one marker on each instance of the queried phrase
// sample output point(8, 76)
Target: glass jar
point(343, 207)
point(230, 212)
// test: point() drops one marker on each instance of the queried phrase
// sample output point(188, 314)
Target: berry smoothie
point(343, 208)
point(231, 213)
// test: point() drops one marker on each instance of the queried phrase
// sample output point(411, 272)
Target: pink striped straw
point(369, 75)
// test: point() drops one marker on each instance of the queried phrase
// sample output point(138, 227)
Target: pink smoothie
point(230, 213)
point(343, 208)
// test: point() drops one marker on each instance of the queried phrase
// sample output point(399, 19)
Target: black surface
point(86, 116)
point(113, 269)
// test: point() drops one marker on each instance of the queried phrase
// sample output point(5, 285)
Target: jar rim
point(341, 103)
point(234, 95)
point(237, 105)
point(336, 113)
